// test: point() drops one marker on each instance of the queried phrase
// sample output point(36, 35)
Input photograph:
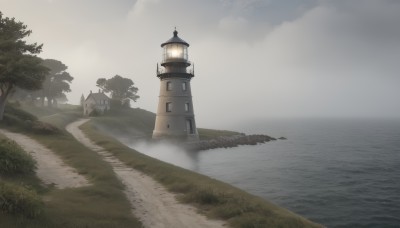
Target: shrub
point(14, 160)
point(16, 199)
point(15, 117)
point(12, 120)
point(44, 128)
point(18, 113)
point(94, 113)
point(115, 104)
point(205, 196)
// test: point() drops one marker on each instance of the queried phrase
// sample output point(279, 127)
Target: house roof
point(98, 97)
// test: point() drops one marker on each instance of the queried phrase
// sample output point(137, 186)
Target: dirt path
point(50, 168)
point(152, 203)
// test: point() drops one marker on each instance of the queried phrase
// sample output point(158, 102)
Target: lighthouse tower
point(175, 114)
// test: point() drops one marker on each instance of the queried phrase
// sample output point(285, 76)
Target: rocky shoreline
point(228, 142)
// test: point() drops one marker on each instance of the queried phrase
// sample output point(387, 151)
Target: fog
point(254, 59)
point(168, 152)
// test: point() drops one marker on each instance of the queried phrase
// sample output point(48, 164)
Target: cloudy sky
point(254, 58)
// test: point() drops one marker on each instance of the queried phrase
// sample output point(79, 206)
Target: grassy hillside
point(39, 111)
point(139, 123)
point(133, 122)
point(102, 204)
point(212, 197)
point(206, 134)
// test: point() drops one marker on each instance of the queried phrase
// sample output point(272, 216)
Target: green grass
point(102, 204)
point(13, 159)
point(140, 123)
point(19, 200)
point(134, 122)
point(62, 119)
point(206, 134)
point(39, 111)
point(212, 197)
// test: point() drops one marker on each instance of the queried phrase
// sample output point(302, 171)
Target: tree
point(61, 99)
point(56, 83)
point(82, 100)
point(121, 89)
point(19, 65)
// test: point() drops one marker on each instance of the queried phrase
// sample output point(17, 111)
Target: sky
point(253, 59)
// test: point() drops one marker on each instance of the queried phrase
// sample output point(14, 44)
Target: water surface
point(341, 173)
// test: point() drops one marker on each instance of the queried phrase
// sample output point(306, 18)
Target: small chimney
point(90, 91)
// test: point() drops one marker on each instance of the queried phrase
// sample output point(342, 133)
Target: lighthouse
point(175, 113)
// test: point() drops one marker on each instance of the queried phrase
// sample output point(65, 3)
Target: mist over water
point(338, 172)
point(168, 152)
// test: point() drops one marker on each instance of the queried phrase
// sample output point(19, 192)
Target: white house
point(98, 102)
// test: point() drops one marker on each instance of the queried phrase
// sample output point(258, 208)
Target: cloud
point(259, 58)
point(335, 60)
point(141, 6)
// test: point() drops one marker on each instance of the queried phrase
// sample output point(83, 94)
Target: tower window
point(169, 106)
point(169, 86)
point(189, 126)
point(184, 86)
point(187, 107)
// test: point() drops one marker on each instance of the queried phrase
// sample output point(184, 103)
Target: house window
point(184, 86)
point(169, 86)
point(169, 106)
point(187, 107)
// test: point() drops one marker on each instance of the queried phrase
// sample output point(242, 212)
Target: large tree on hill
point(19, 65)
point(121, 89)
point(57, 82)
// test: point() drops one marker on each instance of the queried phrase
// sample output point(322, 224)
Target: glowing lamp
point(175, 49)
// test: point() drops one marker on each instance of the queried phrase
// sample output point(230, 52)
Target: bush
point(14, 160)
point(94, 113)
point(205, 196)
point(15, 117)
point(18, 113)
point(16, 199)
point(12, 120)
point(44, 128)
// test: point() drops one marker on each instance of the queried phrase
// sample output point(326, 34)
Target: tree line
point(122, 90)
point(53, 88)
point(25, 76)
point(22, 73)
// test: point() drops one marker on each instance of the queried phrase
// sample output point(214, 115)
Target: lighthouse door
point(189, 126)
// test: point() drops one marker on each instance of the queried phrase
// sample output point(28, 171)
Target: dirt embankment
point(151, 202)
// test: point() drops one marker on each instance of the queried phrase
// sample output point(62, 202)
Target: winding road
point(51, 169)
point(151, 202)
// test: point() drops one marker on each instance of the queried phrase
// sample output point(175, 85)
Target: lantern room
point(175, 50)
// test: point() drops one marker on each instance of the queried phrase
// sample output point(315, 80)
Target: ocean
point(337, 172)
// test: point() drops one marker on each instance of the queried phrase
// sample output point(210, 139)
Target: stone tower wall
point(174, 123)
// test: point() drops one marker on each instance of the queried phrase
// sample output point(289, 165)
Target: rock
point(228, 142)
